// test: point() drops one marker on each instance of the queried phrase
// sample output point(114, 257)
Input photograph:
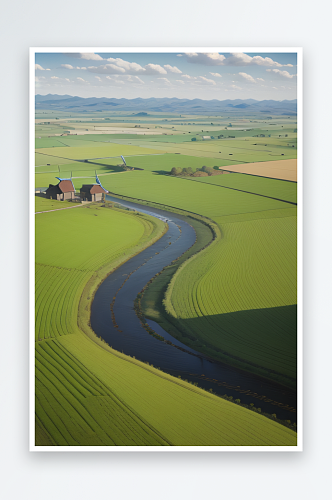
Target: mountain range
point(166, 105)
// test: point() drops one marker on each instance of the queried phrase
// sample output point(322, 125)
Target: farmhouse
point(64, 190)
point(92, 192)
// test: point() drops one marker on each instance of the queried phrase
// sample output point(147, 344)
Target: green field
point(82, 384)
point(232, 296)
point(273, 188)
point(196, 197)
point(251, 266)
point(236, 298)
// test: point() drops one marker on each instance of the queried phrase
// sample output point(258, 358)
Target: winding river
point(131, 338)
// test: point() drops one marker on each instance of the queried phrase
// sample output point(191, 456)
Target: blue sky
point(183, 75)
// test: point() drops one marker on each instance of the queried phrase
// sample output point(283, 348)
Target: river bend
point(132, 339)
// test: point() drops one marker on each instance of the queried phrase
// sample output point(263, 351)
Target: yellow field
point(279, 169)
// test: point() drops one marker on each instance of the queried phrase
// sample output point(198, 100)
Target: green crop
point(87, 393)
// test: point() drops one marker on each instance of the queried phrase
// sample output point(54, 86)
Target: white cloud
point(199, 80)
point(154, 69)
point(136, 79)
point(210, 59)
point(260, 79)
point(40, 68)
point(126, 66)
point(131, 79)
point(283, 74)
point(247, 77)
point(164, 80)
point(205, 81)
point(54, 77)
point(241, 59)
point(172, 69)
point(235, 59)
point(67, 66)
point(235, 87)
point(81, 79)
point(218, 75)
point(119, 66)
point(110, 69)
point(180, 81)
point(98, 78)
point(89, 56)
point(116, 80)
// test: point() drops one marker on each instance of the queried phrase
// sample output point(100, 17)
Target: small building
point(64, 190)
point(92, 192)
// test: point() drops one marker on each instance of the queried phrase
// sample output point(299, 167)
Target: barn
point(92, 192)
point(64, 190)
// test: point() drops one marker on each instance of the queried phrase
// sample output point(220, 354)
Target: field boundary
point(241, 190)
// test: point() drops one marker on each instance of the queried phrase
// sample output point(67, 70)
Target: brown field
point(280, 169)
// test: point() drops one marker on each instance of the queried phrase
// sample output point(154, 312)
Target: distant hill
point(166, 105)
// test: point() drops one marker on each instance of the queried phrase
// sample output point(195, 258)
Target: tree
point(175, 171)
point(193, 138)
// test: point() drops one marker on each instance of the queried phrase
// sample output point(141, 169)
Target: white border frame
point(32, 446)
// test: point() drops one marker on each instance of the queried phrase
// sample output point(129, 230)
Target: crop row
point(57, 296)
point(252, 268)
point(90, 395)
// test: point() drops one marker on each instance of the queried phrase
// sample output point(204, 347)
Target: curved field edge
point(89, 394)
point(155, 303)
point(223, 319)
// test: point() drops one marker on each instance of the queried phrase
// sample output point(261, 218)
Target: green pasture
point(42, 159)
point(223, 150)
point(43, 204)
point(119, 232)
point(258, 269)
point(251, 266)
point(274, 188)
point(196, 197)
point(87, 393)
point(237, 298)
point(65, 141)
point(164, 163)
point(109, 150)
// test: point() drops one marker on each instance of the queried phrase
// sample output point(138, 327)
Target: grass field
point(244, 282)
point(196, 197)
point(234, 300)
point(82, 385)
point(109, 150)
point(251, 266)
point(274, 188)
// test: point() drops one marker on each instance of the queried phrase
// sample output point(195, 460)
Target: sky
point(186, 75)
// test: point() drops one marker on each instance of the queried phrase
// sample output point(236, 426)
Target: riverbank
point(88, 394)
point(134, 340)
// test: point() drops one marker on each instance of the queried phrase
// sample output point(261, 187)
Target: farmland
point(82, 384)
point(232, 297)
